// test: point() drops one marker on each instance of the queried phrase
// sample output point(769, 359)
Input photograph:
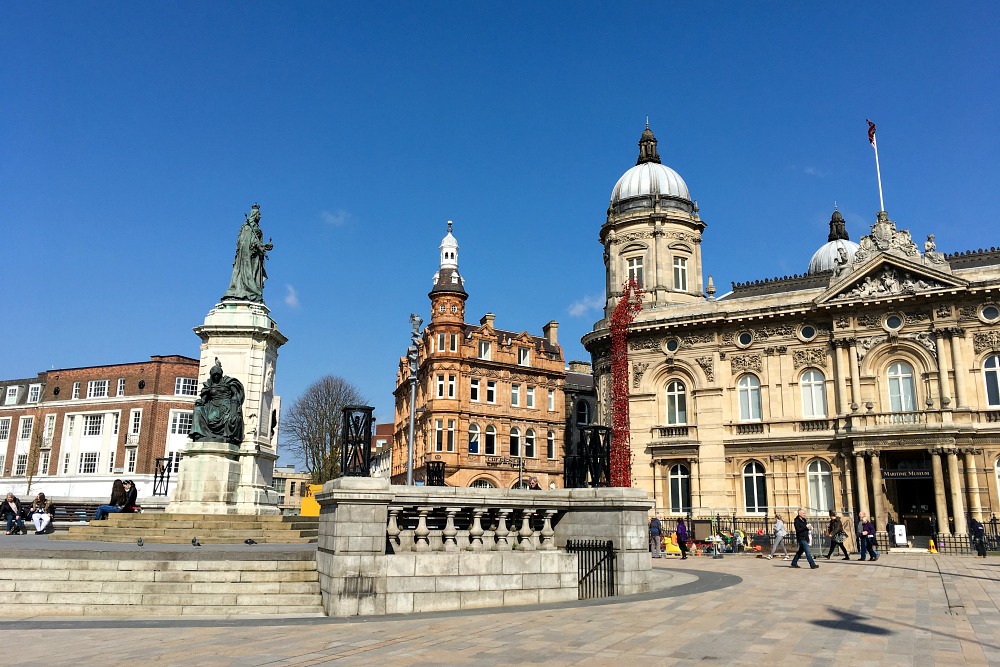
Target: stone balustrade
point(396, 549)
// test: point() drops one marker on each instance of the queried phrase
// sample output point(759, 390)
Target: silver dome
point(825, 258)
point(648, 180)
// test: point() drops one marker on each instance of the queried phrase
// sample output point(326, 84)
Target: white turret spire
point(449, 251)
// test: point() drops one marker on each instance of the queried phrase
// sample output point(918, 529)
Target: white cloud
point(291, 297)
point(338, 218)
point(585, 305)
point(813, 171)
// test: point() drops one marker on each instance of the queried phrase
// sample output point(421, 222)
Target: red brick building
point(71, 432)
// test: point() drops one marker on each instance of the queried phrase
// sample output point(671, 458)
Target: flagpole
point(878, 173)
point(878, 170)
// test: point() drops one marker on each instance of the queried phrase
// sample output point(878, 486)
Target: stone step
point(181, 528)
point(132, 536)
point(113, 585)
point(136, 531)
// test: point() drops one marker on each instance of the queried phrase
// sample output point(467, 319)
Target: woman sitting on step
point(12, 511)
point(41, 513)
point(118, 499)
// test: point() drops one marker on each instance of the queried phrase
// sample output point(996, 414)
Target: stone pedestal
point(223, 478)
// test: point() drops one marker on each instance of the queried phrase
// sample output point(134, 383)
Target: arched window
point(490, 445)
point(515, 442)
point(902, 393)
point(820, 486)
point(550, 445)
point(482, 483)
point(473, 438)
point(676, 403)
point(680, 489)
point(749, 390)
point(583, 413)
point(529, 443)
point(813, 394)
point(754, 488)
point(991, 373)
point(520, 484)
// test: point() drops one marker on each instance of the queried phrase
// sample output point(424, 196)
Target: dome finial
point(647, 146)
point(838, 228)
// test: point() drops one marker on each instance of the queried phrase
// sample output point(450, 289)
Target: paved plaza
point(906, 609)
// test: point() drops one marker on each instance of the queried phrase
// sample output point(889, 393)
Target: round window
point(808, 332)
point(990, 313)
point(672, 345)
point(745, 338)
point(893, 322)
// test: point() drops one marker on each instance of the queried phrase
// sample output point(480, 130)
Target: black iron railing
point(595, 567)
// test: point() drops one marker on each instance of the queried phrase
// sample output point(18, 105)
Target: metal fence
point(595, 567)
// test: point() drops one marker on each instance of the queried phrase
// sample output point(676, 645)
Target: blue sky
point(134, 136)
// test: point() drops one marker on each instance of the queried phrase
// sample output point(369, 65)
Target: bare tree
point(314, 425)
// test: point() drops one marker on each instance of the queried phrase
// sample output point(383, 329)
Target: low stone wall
point(406, 583)
point(397, 549)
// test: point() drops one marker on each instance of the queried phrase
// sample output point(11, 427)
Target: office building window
point(93, 425)
point(97, 389)
point(88, 462)
point(186, 387)
point(474, 390)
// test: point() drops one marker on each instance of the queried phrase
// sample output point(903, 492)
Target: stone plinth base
point(208, 479)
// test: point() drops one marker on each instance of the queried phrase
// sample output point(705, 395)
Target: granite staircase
point(163, 528)
point(79, 582)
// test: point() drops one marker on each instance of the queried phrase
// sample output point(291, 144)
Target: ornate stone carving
point(968, 313)
point(644, 344)
point(889, 282)
point(842, 322)
point(988, 340)
point(728, 337)
point(763, 333)
point(638, 370)
point(884, 237)
point(865, 344)
point(813, 356)
point(708, 366)
point(943, 311)
point(694, 339)
point(924, 338)
point(628, 237)
point(746, 362)
point(869, 320)
point(917, 315)
point(777, 349)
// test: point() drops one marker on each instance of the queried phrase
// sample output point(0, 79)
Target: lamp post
point(411, 354)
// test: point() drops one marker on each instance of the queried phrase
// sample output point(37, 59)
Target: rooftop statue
point(218, 412)
point(247, 283)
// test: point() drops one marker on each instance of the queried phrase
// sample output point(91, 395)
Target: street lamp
point(411, 354)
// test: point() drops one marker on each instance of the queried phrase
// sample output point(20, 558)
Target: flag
point(871, 133)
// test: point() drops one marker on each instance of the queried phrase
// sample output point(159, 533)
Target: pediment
point(889, 276)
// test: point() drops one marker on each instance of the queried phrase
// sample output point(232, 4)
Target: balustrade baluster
point(420, 541)
point(501, 531)
point(448, 536)
point(547, 543)
point(476, 531)
point(525, 541)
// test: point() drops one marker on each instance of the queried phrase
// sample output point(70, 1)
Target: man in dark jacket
point(802, 537)
point(655, 531)
point(978, 536)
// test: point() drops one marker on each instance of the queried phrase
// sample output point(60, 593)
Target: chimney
point(551, 332)
point(488, 319)
point(580, 367)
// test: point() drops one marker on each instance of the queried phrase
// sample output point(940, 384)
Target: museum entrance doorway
point(909, 488)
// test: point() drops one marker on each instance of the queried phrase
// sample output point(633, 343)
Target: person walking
point(655, 532)
point(978, 536)
point(858, 527)
point(682, 538)
point(868, 537)
point(835, 531)
point(779, 538)
point(802, 537)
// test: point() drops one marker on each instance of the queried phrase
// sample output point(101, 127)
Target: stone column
point(957, 506)
point(855, 373)
point(958, 366)
point(849, 489)
point(862, 473)
point(972, 484)
point(940, 505)
point(944, 387)
point(695, 483)
point(879, 511)
point(769, 475)
point(843, 403)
